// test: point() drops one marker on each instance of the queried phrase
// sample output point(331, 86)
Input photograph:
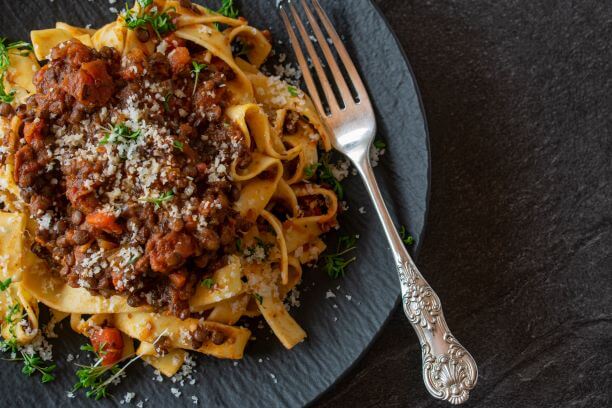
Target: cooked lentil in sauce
point(125, 163)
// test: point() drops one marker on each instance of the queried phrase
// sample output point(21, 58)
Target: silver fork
point(449, 371)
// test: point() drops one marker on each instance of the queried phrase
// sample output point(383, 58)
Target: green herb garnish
point(167, 101)
point(260, 243)
point(379, 144)
point(405, 235)
point(88, 347)
point(311, 169)
point(239, 245)
point(258, 297)
point(120, 134)
point(178, 145)
point(161, 23)
point(5, 62)
point(133, 259)
point(208, 282)
point(241, 48)
point(9, 345)
point(12, 320)
point(327, 176)
point(5, 284)
point(4, 96)
point(197, 68)
point(167, 196)
point(32, 363)
point(228, 9)
point(292, 90)
point(93, 378)
point(335, 264)
point(10, 314)
point(22, 46)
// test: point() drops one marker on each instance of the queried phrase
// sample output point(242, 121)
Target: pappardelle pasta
point(155, 185)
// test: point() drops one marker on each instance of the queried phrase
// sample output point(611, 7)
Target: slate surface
point(339, 329)
point(519, 234)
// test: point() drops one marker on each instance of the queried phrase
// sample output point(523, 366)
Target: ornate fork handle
point(449, 371)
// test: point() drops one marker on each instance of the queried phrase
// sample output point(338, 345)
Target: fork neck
point(364, 167)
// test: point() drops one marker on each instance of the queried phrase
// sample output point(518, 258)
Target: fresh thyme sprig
point(5, 62)
point(167, 196)
point(22, 46)
point(5, 97)
point(5, 284)
point(252, 252)
point(10, 314)
point(335, 264)
point(311, 169)
point(145, 3)
point(239, 245)
point(93, 378)
point(120, 133)
point(240, 48)
point(32, 363)
point(167, 101)
point(11, 343)
point(228, 9)
point(325, 174)
point(208, 282)
point(379, 144)
point(405, 235)
point(292, 90)
point(197, 68)
point(161, 23)
point(178, 145)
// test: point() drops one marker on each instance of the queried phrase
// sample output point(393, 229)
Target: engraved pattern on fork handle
point(449, 371)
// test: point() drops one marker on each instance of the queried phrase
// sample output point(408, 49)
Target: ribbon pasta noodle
point(153, 182)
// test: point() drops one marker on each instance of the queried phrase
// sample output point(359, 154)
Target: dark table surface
point(518, 96)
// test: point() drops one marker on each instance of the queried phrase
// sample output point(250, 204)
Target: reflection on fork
point(449, 371)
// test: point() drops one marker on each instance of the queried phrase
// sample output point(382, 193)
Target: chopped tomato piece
point(33, 133)
point(179, 58)
point(108, 343)
point(105, 222)
point(178, 279)
point(26, 166)
point(136, 65)
point(117, 277)
point(91, 85)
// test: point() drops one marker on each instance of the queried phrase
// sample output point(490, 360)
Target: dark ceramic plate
point(339, 329)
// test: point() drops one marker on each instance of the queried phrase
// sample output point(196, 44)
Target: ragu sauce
point(125, 164)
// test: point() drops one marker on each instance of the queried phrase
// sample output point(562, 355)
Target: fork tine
point(343, 53)
point(345, 92)
point(316, 62)
point(297, 48)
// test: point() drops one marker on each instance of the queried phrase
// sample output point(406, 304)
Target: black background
point(519, 237)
